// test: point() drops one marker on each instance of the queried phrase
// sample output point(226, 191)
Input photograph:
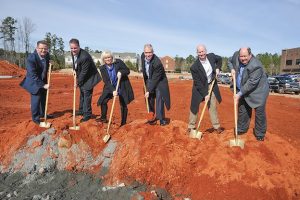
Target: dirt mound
point(8, 69)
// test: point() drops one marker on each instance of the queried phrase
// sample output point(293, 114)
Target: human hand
point(146, 94)
point(236, 98)
point(119, 74)
point(206, 98)
point(217, 72)
point(232, 72)
point(46, 86)
point(115, 93)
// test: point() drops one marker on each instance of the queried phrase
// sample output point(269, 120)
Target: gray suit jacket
point(254, 83)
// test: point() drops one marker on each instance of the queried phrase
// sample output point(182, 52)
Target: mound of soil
point(8, 69)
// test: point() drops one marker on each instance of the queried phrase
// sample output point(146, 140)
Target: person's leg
point(160, 109)
point(124, 110)
point(192, 120)
point(43, 93)
point(151, 100)
point(104, 109)
point(260, 122)
point(212, 108)
point(81, 100)
point(35, 107)
point(87, 100)
point(244, 116)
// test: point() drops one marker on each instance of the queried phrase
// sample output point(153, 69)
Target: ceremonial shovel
point(46, 124)
point(107, 136)
point(195, 133)
point(236, 142)
point(76, 128)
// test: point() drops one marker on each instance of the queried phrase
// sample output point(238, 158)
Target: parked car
point(273, 84)
point(223, 79)
point(286, 84)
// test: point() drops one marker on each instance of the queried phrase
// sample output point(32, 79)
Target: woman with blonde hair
point(111, 70)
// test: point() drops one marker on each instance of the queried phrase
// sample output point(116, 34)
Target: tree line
point(16, 38)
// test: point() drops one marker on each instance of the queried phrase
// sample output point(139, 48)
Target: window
point(297, 61)
point(289, 62)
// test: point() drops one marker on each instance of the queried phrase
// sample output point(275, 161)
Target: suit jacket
point(125, 86)
point(254, 82)
point(200, 84)
point(86, 71)
point(36, 76)
point(157, 79)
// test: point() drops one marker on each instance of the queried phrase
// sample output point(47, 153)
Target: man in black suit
point(35, 82)
point(156, 83)
point(204, 71)
point(253, 90)
point(87, 77)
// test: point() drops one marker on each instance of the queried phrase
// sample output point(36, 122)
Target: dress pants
point(157, 99)
point(123, 106)
point(212, 108)
point(38, 102)
point(244, 117)
point(85, 102)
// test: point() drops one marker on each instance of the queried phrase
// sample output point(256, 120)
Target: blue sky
point(174, 27)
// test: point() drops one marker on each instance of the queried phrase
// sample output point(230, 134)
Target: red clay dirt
point(165, 156)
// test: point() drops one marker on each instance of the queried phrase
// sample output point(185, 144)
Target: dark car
point(273, 84)
point(286, 85)
point(224, 79)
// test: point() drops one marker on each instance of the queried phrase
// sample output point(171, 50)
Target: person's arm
point(156, 76)
point(31, 68)
point(198, 84)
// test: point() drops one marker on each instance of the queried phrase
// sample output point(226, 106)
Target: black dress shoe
point(260, 138)
point(163, 122)
point(50, 116)
point(241, 132)
point(85, 119)
point(219, 130)
point(79, 113)
point(103, 120)
point(36, 122)
point(152, 122)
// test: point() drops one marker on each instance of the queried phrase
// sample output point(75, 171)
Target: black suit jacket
point(86, 71)
point(200, 84)
point(125, 86)
point(157, 79)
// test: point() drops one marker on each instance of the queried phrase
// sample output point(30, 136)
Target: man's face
point(42, 50)
point(148, 53)
point(244, 56)
point(74, 49)
point(201, 52)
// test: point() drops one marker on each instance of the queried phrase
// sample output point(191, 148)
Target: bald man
point(252, 91)
point(204, 71)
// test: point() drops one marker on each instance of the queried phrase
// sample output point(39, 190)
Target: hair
point(148, 46)
point(106, 54)
point(74, 41)
point(41, 42)
point(201, 45)
point(248, 49)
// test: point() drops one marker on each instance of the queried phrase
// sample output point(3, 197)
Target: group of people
point(252, 85)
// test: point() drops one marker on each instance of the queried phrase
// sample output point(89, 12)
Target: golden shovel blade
point(196, 134)
point(106, 138)
point(75, 128)
point(45, 124)
point(237, 143)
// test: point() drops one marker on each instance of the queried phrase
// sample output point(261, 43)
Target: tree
point(224, 64)
point(88, 49)
point(29, 27)
point(190, 60)
point(7, 30)
point(131, 66)
point(56, 50)
point(179, 62)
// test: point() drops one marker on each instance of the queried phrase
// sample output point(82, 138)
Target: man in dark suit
point(253, 91)
point(204, 71)
point(87, 77)
point(35, 82)
point(111, 70)
point(156, 83)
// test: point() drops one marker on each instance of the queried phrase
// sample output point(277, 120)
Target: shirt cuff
point(240, 93)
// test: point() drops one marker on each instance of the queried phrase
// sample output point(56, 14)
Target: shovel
point(150, 115)
point(46, 124)
point(107, 136)
point(196, 133)
point(74, 127)
point(236, 142)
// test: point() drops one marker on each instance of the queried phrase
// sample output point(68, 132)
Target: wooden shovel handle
point(47, 95)
point(147, 101)
point(74, 101)
point(205, 104)
point(113, 106)
point(235, 105)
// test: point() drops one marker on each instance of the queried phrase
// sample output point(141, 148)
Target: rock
point(15, 193)
point(65, 142)
point(41, 170)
